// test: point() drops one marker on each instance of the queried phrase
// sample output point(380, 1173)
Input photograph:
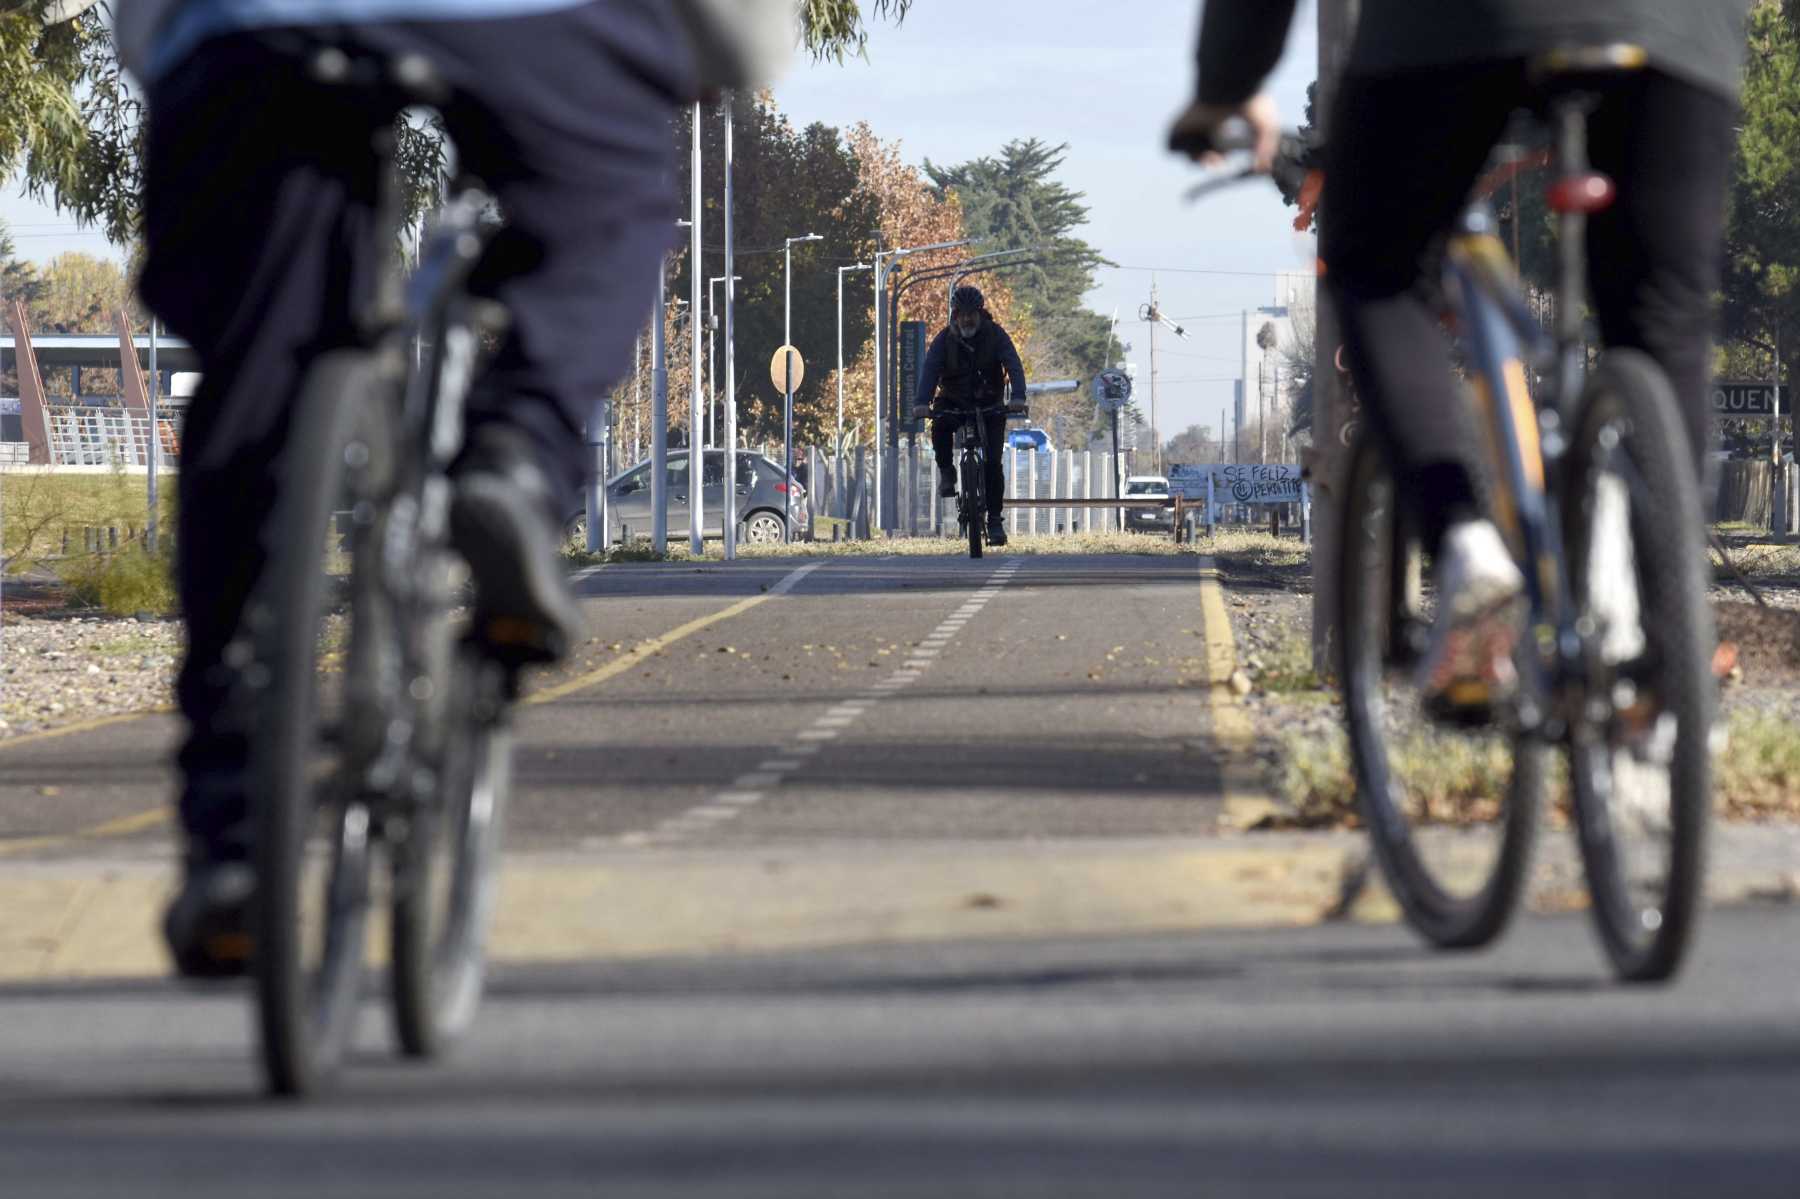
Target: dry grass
point(1458, 781)
point(37, 505)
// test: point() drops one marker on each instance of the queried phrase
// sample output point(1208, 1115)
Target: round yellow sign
point(778, 369)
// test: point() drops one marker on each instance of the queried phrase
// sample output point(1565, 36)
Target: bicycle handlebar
point(936, 410)
point(1295, 159)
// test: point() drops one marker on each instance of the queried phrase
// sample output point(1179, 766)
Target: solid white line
point(854, 709)
point(817, 734)
point(738, 798)
point(716, 811)
point(834, 722)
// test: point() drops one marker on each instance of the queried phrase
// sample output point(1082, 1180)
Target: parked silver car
point(760, 484)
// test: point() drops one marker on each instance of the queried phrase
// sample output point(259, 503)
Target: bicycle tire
point(1373, 546)
point(446, 867)
point(1629, 426)
point(974, 504)
point(307, 1012)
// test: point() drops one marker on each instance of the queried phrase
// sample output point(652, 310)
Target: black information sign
point(1732, 399)
point(912, 360)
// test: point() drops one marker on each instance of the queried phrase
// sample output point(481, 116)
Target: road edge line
point(1231, 726)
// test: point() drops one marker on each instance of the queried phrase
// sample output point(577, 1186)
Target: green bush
point(130, 581)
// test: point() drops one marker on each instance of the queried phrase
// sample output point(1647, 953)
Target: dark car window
point(637, 480)
point(715, 469)
point(746, 470)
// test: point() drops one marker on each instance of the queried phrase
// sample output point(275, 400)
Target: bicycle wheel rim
point(446, 868)
point(1641, 780)
point(1451, 824)
point(313, 822)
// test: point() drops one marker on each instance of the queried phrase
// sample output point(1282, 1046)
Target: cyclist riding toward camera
point(1428, 91)
point(970, 362)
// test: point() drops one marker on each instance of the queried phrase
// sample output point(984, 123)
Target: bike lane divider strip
point(748, 790)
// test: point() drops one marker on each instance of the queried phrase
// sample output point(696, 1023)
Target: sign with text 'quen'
point(1731, 398)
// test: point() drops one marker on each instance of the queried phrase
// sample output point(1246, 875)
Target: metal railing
point(82, 435)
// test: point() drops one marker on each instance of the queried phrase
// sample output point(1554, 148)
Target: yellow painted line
point(137, 822)
point(84, 726)
point(646, 649)
point(1231, 726)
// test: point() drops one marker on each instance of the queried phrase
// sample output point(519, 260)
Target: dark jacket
point(1700, 41)
point(971, 371)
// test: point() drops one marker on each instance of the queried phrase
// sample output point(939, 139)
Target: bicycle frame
point(1524, 435)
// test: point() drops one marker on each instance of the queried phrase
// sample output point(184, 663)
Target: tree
point(78, 293)
point(786, 183)
point(1762, 271)
point(1194, 445)
point(1013, 202)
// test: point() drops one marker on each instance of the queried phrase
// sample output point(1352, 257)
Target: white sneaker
point(1472, 635)
point(1612, 575)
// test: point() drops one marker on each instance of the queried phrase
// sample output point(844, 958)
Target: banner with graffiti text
point(1239, 482)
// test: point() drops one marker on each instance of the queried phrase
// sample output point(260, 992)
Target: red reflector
point(781, 487)
point(1589, 192)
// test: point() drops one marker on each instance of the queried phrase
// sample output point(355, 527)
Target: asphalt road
point(882, 877)
point(1321, 1062)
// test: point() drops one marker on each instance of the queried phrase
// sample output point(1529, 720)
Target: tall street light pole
point(787, 370)
point(838, 446)
point(712, 357)
point(696, 409)
point(728, 518)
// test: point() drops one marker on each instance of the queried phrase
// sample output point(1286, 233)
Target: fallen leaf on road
point(982, 899)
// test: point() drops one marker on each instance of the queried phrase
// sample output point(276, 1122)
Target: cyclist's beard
point(969, 330)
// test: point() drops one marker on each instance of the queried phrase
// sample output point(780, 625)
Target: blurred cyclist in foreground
point(1429, 89)
point(261, 185)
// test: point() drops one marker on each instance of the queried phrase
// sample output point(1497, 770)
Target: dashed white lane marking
point(752, 787)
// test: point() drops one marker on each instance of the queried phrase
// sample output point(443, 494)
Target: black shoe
point(947, 486)
point(207, 925)
point(996, 531)
point(503, 521)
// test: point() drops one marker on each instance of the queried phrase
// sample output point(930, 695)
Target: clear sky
point(960, 78)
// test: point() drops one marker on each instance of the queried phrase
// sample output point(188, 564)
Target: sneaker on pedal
point(1612, 579)
point(996, 530)
point(946, 485)
point(1468, 665)
point(207, 925)
point(503, 522)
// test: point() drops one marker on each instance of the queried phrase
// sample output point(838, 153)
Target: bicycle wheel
point(1450, 810)
point(974, 504)
point(1640, 765)
point(317, 637)
point(445, 864)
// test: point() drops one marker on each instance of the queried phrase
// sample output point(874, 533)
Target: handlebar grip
point(1018, 410)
